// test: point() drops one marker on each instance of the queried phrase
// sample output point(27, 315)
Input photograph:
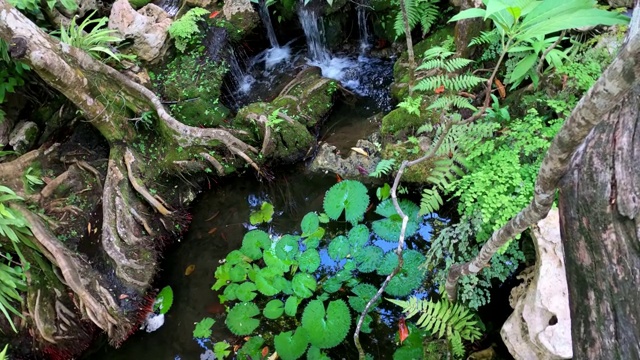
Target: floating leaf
point(348, 195)
point(326, 329)
point(236, 257)
point(409, 278)
point(303, 285)
point(323, 218)
point(251, 349)
point(339, 248)
point(265, 214)
point(315, 353)
point(221, 349)
point(364, 292)
point(253, 242)
point(313, 240)
point(189, 270)
point(238, 273)
point(366, 324)
point(203, 328)
point(309, 260)
point(230, 292)
point(291, 305)
point(358, 237)
point(368, 258)
point(389, 228)
point(164, 300)
point(265, 282)
point(283, 284)
point(290, 345)
point(310, 223)
point(273, 309)
point(240, 318)
point(246, 291)
point(287, 247)
point(274, 263)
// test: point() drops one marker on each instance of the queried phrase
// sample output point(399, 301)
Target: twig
point(546, 52)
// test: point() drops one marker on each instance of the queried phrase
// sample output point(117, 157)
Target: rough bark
point(599, 206)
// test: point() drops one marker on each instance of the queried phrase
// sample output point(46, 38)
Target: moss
point(242, 24)
point(399, 123)
point(383, 27)
point(409, 151)
point(194, 84)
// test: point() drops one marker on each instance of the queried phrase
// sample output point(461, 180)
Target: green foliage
point(92, 36)
point(33, 6)
point(411, 104)
point(443, 319)
point(240, 319)
point(410, 276)
point(423, 12)
point(348, 195)
point(326, 328)
point(291, 345)
point(265, 214)
point(11, 74)
point(185, 30)
point(3, 353)
point(203, 328)
point(274, 309)
point(251, 349)
point(364, 293)
point(164, 300)
point(221, 349)
point(384, 167)
point(389, 228)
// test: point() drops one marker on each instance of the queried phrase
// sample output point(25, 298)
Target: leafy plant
point(164, 300)
point(3, 353)
point(349, 196)
point(411, 104)
point(265, 214)
point(203, 328)
point(423, 12)
point(443, 319)
point(92, 36)
point(185, 30)
point(384, 167)
point(221, 349)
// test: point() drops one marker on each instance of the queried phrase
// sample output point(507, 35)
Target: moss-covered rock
point(398, 124)
point(410, 151)
point(334, 27)
point(193, 83)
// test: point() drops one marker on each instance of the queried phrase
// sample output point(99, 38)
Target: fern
point(184, 30)
point(443, 318)
point(447, 101)
point(423, 12)
point(384, 167)
point(486, 37)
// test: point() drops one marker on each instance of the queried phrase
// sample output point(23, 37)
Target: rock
point(467, 29)
point(199, 3)
point(354, 166)
point(540, 325)
point(84, 6)
point(241, 16)
point(621, 3)
point(147, 27)
point(23, 136)
point(233, 7)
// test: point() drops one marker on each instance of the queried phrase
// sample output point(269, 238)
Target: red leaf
point(265, 351)
point(214, 14)
point(403, 331)
point(338, 178)
point(439, 90)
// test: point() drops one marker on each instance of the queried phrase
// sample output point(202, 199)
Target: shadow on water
point(220, 220)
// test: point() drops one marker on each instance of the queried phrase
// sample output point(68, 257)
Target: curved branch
point(141, 189)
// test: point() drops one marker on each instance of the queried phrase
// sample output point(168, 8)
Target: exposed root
point(214, 162)
point(40, 323)
point(266, 141)
point(85, 166)
point(301, 75)
point(246, 158)
point(141, 221)
point(141, 189)
point(48, 190)
point(286, 117)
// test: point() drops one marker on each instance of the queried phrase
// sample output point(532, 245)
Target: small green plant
point(443, 319)
point(31, 179)
point(164, 300)
point(263, 215)
point(185, 30)
point(384, 167)
point(97, 41)
point(422, 12)
point(274, 118)
point(411, 104)
point(3, 353)
point(203, 328)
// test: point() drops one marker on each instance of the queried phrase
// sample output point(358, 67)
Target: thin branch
point(546, 52)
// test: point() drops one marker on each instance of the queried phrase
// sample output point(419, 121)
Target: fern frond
point(485, 37)
point(431, 64)
point(456, 64)
point(384, 167)
point(437, 52)
point(444, 102)
point(429, 16)
point(455, 83)
point(423, 12)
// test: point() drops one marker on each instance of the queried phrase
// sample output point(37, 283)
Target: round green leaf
point(332, 285)
point(238, 273)
point(240, 319)
point(339, 248)
point(246, 291)
point(358, 237)
point(274, 263)
point(368, 258)
point(313, 240)
point(287, 247)
point(283, 285)
point(310, 223)
point(303, 285)
point(251, 349)
point(389, 228)
point(230, 292)
point(236, 257)
point(264, 282)
point(410, 276)
point(348, 195)
point(253, 242)
point(316, 354)
point(164, 300)
point(291, 305)
point(364, 292)
point(273, 309)
point(290, 345)
point(309, 260)
point(326, 329)
point(265, 214)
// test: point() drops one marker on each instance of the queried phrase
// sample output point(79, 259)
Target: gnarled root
point(140, 188)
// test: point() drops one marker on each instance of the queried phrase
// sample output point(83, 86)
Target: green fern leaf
point(384, 167)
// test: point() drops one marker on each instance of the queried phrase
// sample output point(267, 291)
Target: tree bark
point(599, 208)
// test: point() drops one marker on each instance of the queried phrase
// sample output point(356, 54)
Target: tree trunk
point(599, 209)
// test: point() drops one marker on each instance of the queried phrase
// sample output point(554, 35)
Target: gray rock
point(147, 27)
point(354, 165)
point(24, 136)
point(540, 325)
point(232, 7)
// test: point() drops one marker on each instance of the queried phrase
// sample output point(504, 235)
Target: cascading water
point(314, 33)
point(275, 54)
point(242, 81)
point(266, 20)
point(362, 26)
point(170, 6)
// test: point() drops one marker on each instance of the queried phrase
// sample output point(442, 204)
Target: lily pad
point(240, 318)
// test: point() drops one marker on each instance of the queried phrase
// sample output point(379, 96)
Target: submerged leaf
point(240, 318)
point(164, 300)
point(410, 276)
point(203, 328)
point(348, 195)
point(189, 270)
point(368, 258)
point(326, 329)
point(389, 228)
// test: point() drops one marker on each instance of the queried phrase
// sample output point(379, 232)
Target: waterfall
point(170, 6)
point(242, 81)
point(362, 26)
point(266, 20)
point(314, 32)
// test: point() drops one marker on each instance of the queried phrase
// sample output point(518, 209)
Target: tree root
point(48, 190)
point(141, 189)
point(75, 273)
point(214, 162)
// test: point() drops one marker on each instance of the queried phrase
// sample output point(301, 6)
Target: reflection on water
point(220, 220)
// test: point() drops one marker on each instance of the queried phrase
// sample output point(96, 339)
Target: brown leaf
point(189, 270)
point(501, 89)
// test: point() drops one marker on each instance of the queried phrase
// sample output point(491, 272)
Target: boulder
point(233, 7)
point(540, 325)
point(355, 165)
point(147, 27)
point(23, 136)
point(621, 3)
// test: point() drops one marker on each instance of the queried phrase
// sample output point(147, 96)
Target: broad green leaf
point(240, 319)
point(222, 276)
point(273, 309)
point(251, 349)
point(221, 349)
point(203, 328)
point(309, 260)
point(389, 229)
point(369, 258)
point(264, 283)
point(164, 300)
point(326, 328)
point(253, 242)
point(523, 66)
point(287, 248)
point(303, 285)
point(265, 214)
point(469, 14)
point(291, 305)
point(348, 195)
point(290, 345)
point(339, 248)
point(246, 291)
point(358, 237)
point(310, 223)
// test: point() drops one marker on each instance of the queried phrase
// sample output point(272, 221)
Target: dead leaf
point(189, 270)
point(501, 89)
point(89, 228)
point(403, 331)
point(360, 151)
point(123, 296)
point(265, 351)
point(439, 89)
point(213, 230)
